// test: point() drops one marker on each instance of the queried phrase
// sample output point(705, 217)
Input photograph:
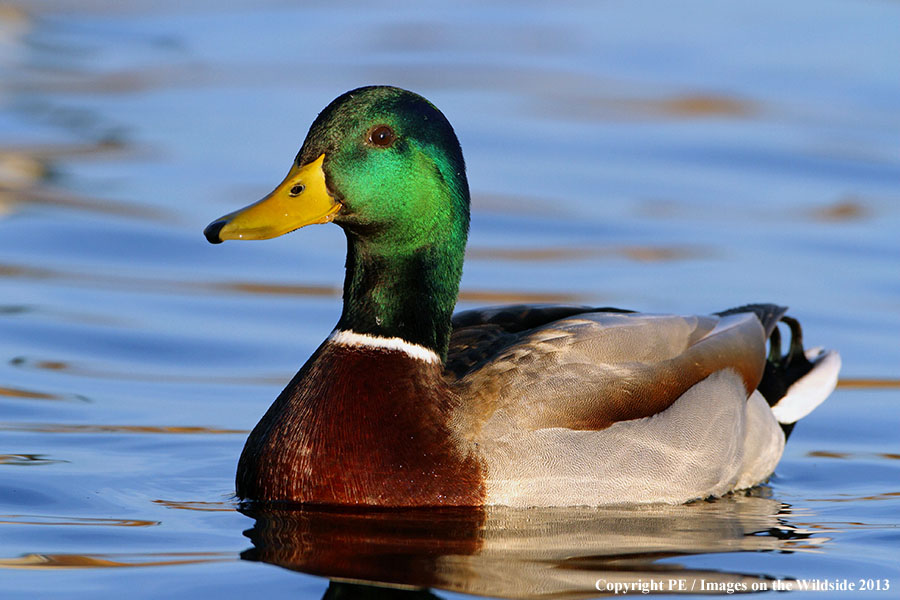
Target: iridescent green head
point(385, 165)
point(393, 161)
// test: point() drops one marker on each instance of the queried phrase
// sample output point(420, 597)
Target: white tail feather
point(810, 390)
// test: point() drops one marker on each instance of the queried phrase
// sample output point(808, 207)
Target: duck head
point(385, 165)
point(380, 161)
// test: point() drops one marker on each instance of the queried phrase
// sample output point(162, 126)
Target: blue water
point(673, 157)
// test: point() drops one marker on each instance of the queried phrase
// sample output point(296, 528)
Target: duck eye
point(382, 136)
point(297, 189)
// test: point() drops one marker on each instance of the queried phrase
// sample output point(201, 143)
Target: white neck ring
point(365, 340)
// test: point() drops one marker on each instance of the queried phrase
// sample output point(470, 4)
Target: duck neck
point(402, 294)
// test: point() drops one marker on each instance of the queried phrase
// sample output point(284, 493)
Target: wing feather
point(591, 370)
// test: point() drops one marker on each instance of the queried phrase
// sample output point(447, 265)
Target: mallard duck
point(405, 404)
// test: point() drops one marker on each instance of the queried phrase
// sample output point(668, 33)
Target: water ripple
point(93, 561)
point(28, 460)
point(11, 392)
point(77, 370)
point(131, 282)
point(198, 505)
point(72, 428)
point(74, 521)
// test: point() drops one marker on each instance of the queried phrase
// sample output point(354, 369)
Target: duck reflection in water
point(524, 553)
point(340, 590)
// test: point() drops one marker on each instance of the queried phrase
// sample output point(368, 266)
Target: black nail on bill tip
point(212, 232)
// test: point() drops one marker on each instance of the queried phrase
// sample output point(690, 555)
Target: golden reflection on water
point(82, 371)
point(705, 105)
point(28, 460)
point(195, 505)
point(515, 297)
point(871, 498)
point(70, 428)
point(92, 561)
point(850, 208)
point(20, 393)
point(853, 455)
point(873, 383)
point(696, 105)
point(76, 521)
point(277, 289)
point(131, 282)
point(465, 295)
point(531, 553)
point(569, 253)
point(35, 395)
point(691, 106)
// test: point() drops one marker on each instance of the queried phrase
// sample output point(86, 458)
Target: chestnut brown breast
point(361, 426)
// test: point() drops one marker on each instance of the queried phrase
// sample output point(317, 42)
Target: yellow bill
point(301, 199)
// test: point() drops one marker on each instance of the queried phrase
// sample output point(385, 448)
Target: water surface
point(661, 157)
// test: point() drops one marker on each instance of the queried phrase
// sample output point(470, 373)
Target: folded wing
point(592, 369)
